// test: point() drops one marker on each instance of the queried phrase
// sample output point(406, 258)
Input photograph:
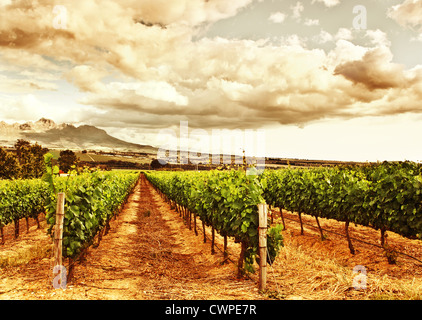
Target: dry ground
point(150, 254)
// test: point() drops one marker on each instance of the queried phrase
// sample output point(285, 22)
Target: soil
point(366, 242)
point(149, 253)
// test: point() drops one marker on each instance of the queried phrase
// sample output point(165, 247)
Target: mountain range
point(66, 136)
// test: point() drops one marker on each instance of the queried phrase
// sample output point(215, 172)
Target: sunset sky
point(319, 81)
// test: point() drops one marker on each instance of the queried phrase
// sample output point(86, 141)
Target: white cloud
point(345, 51)
point(297, 10)
point(277, 17)
point(4, 3)
point(344, 33)
point(87, 78)
point(191, 12)
point(407, 14)
point(324, 37)
point(378, 37)
point(417, 38)
point(25, 107)
point(328, 3)
point(138, 95)
point(311, 22)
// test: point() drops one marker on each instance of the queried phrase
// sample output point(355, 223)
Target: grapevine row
point(21, 199)
point(91, 200)
point(227, 201)
point(385, 196)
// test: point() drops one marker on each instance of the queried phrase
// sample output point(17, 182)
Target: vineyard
point(21, 199)
point(218, 210)
point(92, 199)
point(385, 196)
point(226, 201)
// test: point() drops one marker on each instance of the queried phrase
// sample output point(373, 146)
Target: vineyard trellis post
point(58, 235)
point(262, 232)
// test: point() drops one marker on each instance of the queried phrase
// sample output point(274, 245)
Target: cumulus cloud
point(342, 34)
point(375, 70)
point(378, 38)
point(408, 14)
point(277, 17)
point(324, 37)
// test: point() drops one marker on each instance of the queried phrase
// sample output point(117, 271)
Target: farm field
point(95, 157)
point(149, 253)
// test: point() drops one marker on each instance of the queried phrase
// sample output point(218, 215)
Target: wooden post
point(58, 234)
point(262, 232)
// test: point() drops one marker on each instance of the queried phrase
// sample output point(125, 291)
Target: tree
point(38, 166)
point(67, 159)
point(30, 159)
point(155, 164)
point(9, 166)
point(20, 146)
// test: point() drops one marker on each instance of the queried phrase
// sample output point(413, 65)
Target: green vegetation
point(385, 196)
point(26, 163)
point(92, 198)
point(67, 160)
point(225, 200)
point(21, 199)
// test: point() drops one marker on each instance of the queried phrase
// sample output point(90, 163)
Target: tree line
point(27, 161)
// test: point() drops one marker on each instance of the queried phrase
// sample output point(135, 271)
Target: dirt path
point(148, 254)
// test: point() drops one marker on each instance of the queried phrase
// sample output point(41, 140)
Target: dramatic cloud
point(87, 78)
point(144, 64)
point(374, 71)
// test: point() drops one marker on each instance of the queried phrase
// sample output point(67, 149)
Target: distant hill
point(66, 136)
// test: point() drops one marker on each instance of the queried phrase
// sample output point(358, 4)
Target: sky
point(312, 79)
